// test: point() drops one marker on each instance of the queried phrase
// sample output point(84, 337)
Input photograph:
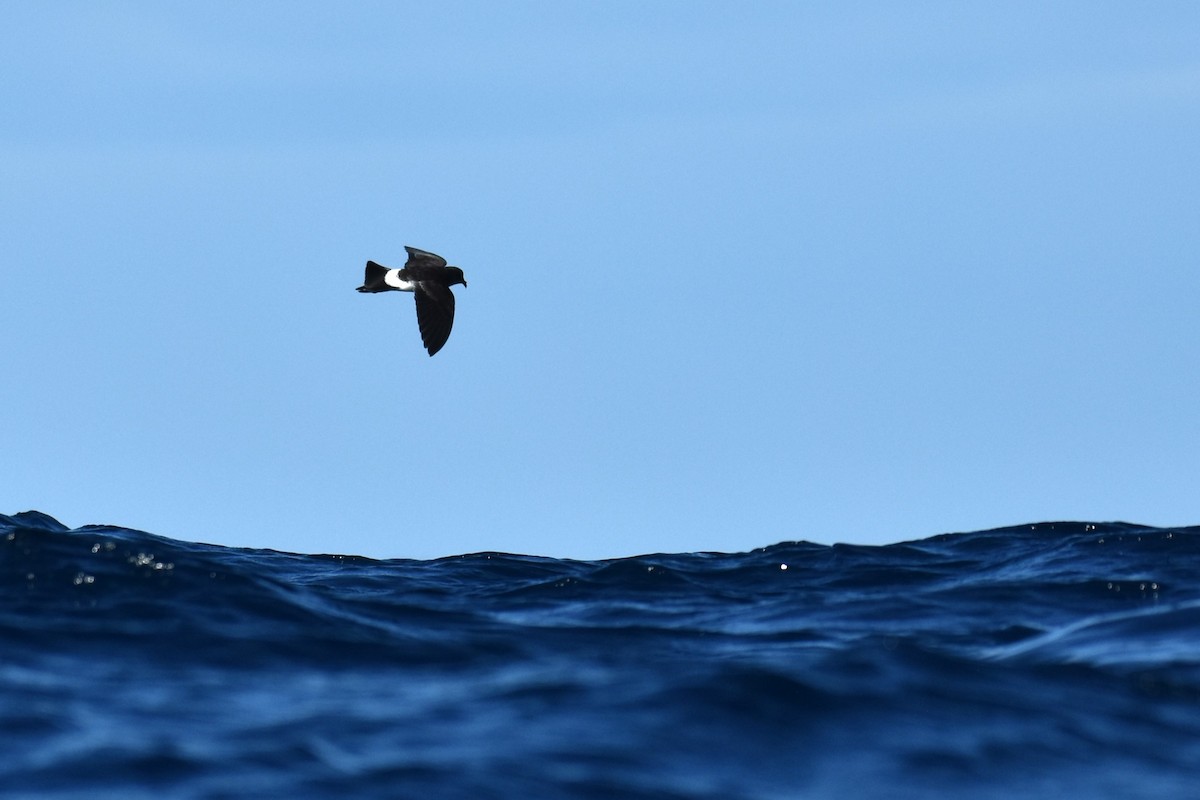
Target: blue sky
point(739, 273)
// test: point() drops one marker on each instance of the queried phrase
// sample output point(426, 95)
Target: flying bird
point(429, 279)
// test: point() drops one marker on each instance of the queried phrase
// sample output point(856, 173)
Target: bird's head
point(456, 276)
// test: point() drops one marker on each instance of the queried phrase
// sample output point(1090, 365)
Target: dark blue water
point(1025, 662)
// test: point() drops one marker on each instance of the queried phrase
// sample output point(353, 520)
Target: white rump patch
point(392, 278)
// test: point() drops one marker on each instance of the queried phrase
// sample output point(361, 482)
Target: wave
point(1029, 660)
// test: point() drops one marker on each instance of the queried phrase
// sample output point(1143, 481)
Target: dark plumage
point(428, 277)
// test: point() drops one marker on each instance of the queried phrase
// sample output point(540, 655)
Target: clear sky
point(739, 272)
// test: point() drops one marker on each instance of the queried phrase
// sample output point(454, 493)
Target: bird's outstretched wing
point(435, 314)
point(420, 258)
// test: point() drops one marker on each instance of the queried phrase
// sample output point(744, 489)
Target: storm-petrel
point(429, 279)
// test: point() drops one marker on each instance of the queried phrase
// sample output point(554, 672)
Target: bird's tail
point(373, 281)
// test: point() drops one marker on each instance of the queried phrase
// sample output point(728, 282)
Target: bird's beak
point(464, 282)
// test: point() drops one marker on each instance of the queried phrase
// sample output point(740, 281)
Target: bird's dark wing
point(419, 258)
point(435, 314)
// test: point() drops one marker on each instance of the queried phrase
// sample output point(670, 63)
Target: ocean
point(1039, 661)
